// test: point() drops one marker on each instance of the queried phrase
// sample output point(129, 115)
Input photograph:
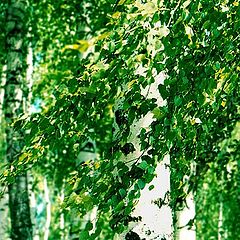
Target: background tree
point(3, 197)
point(13, 106)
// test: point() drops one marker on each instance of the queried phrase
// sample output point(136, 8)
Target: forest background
point(100, 100)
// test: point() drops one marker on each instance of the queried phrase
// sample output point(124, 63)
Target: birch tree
point(13, 107)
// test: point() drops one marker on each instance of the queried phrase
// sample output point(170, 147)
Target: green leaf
point(122, 192)
point(163, 91)
point(89, 226)
point(177, 101)
point(119, 206)
point(84, 235)
point(141, 184)
point(216, 66)
point(151, 187)
point(158, 113)
point(11, 179)
point(143, 165)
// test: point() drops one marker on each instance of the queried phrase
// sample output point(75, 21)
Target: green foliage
point(196, 43)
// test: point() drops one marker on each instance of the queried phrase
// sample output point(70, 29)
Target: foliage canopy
point(97, 54)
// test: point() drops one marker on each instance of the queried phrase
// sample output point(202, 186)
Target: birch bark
point(4, 218)
point(156, 220)
point(13, 107)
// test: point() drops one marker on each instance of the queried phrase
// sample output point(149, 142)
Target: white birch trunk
point(33, 206)
point(61, 220)
point(48, 209)
point(29, 79)
point(27, 106)
point(3, 82)
point(187, 214)
point(4, 218)
point(156, 221)
point(220, 221)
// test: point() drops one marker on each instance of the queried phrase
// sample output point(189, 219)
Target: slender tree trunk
point(13, 107)
point(19, 209)
point(48, 209)
point(4, 218)
point(186, 229)
point(186, 232)
point(220, 221)
point(2, 85)
point(27, 109)
point(61, 220)
point(33, 205)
